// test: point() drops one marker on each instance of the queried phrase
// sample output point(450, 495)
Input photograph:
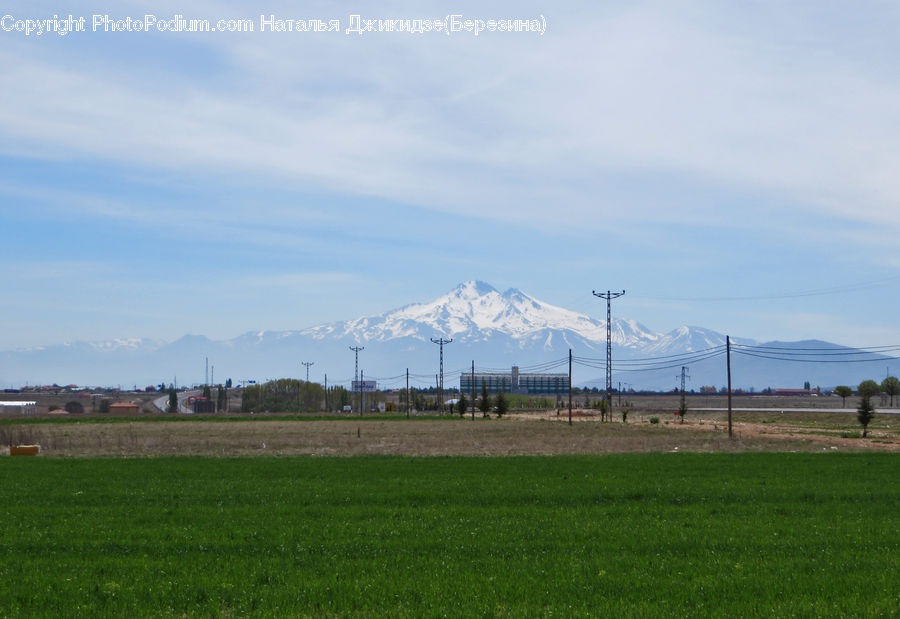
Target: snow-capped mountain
point(475, 312)
point(490, 328)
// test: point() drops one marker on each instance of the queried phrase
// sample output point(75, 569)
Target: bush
point(654, 420)
point(75, 408)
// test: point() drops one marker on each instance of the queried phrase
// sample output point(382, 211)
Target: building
point(124, 408)
point(21, 408)
point(514, 382)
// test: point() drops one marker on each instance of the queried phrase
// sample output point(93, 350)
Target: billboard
point(366, 386)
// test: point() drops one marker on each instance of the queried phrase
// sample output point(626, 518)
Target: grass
point(629, 535)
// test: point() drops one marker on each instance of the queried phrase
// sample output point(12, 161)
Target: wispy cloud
point(499, 127)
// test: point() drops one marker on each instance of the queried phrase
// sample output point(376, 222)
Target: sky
point(731, 165)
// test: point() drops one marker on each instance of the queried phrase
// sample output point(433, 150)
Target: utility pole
point(327, 408)
point(570, 386)
point(356, 384)
point(473, 389)
point(407, 393)
point(609, 296)
point(728, 355)
point(307, 364)
point(440, 342)
point(362, 394)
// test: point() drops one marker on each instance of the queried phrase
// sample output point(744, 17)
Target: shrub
point(654, 420)
point(75, 408)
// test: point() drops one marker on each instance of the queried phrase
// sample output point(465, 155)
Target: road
point(162, 403)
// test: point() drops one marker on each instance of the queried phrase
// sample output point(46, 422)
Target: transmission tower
point(682, 408)
point(307, 364)
point(609, 296)
point(440, 342)
point(356, 350)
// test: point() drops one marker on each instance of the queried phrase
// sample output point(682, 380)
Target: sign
point(366, 386)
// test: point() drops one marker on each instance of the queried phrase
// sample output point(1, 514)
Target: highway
point(162, 403)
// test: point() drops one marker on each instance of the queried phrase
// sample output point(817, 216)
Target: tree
point(462, 405)
point(207, 392)
point(484, 403)
point(868, 388)
point(864, 413)
point(891, 386)
point(682, 408)
point(221, 399)
point(173, 400)
point(501, 403)
point(806, 385)
point(74, 407)
point(845, 392)
point(228, 384)
point(103, 407)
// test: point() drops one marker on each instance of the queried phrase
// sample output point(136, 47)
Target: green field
point(624, 535)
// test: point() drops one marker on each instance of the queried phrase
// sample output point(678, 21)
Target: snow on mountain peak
point(474, 310)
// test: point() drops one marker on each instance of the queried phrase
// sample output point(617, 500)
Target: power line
point(307, 364)
point(440, 342)
point(609, 296)
point(355, 383)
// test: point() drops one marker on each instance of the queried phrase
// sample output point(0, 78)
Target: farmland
point(523, 433)
point(646, 534)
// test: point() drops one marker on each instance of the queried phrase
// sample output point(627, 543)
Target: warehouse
point(18, 408)
point(514, 382)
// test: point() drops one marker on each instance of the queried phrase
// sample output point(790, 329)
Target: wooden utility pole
point(407, 393)
point(728, 357)
point(473, 390)
point(570, 386)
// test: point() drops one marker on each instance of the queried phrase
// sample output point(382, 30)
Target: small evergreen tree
point(173, 400)
point(501, 403)
point(865, 412)
point(462, 405)
point(484, 403)
point(682, 408)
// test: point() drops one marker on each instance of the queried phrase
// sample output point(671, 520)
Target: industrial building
point(514, 382)
point(21, 408)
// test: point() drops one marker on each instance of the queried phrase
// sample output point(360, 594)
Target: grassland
point(624, 535)
point(529, 435)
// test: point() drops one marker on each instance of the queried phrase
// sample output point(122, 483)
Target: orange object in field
point(24, 450)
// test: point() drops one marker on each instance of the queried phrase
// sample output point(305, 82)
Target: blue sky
point(711, 158)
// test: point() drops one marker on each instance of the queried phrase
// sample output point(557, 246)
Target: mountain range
point(494, 329)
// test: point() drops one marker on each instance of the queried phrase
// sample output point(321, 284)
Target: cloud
point(625, 113)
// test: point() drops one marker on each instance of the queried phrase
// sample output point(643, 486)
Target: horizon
point(728, 166)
